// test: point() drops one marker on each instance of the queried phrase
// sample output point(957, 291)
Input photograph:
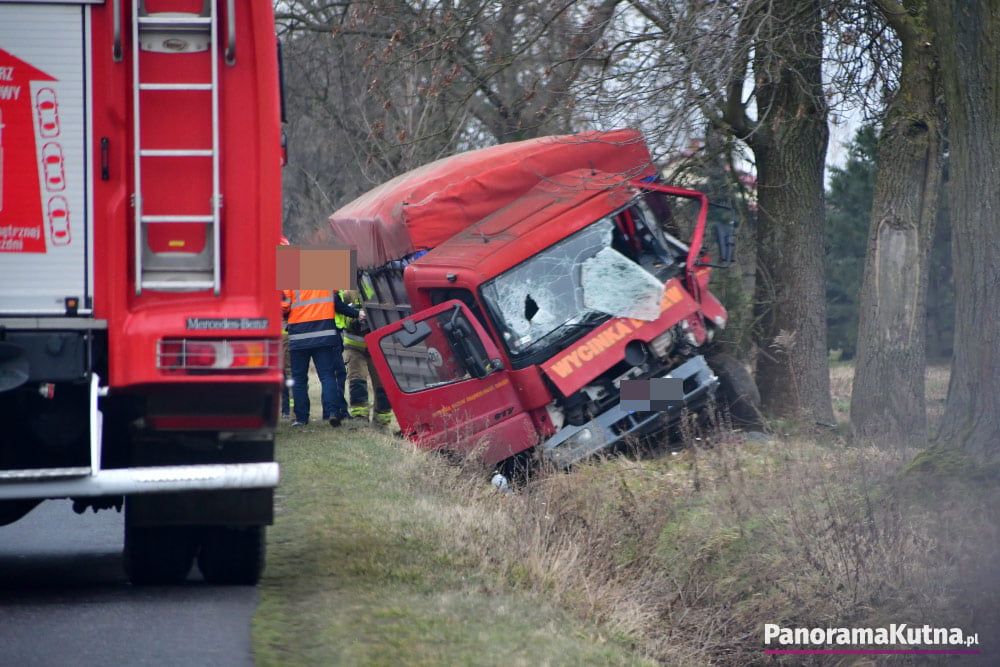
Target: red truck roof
point(539, 218)
point(424, 207)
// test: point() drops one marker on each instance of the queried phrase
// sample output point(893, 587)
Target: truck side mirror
point(725, 237)
point(413, 333)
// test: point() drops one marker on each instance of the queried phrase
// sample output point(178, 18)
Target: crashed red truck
point(515, 288)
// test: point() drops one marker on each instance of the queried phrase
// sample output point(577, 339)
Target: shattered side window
point(545, 293)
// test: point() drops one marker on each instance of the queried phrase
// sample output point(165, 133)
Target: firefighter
point(313, 335)
point(359, 365)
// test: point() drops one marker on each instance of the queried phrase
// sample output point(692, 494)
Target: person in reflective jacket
point(359, 364)
point(313, 336)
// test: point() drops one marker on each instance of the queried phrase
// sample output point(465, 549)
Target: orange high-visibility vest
point(311, 320)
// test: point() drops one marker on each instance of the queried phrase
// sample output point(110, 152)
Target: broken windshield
point(544, 293)
point(572, 285)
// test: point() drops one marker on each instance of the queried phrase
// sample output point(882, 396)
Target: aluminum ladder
point(175, 88)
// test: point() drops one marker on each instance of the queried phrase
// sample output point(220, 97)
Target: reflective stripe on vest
point(299, 302)
point(354, 340)
point(312, 334)
point(309, 302)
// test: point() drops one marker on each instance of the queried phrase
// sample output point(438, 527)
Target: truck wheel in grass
point(737, 393)
point(159, 554)
point(232, 555)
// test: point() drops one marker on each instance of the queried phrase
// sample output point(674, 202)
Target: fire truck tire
point(158, 555)
point(737, 394)
point(232, 555)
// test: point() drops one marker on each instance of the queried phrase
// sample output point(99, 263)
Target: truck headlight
point(661, 344)
point(581, 437)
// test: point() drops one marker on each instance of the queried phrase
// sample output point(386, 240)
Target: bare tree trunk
point(790, 149)
point(970, 72)
point(887, 401)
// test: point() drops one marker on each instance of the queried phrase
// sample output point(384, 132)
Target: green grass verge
point(361, 571)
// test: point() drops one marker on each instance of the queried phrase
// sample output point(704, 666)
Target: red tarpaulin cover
point(424, 207)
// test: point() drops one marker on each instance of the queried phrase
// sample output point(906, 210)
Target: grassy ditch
point(362, 570)
point(383, 555)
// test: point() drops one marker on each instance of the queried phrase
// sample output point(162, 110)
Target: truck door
point(447, 387)
point(44, 178)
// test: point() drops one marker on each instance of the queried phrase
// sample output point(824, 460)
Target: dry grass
point(689, 555)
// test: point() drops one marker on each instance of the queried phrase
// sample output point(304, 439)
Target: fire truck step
point(177, 218)
point(179, 152)
point(178, 281)
point(45, 473)
point(175, 86)
point(175, 23)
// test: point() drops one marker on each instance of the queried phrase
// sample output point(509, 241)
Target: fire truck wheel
point(232, 555)
point(737, 394)
point(156, 555)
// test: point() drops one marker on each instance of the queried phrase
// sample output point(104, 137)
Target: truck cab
point(527, 322)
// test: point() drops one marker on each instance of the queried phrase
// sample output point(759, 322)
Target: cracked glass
point(544, 294)
point(614, 284)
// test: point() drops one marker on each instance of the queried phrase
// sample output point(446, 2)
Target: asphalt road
point(64, 600)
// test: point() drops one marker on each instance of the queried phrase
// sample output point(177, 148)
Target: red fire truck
point(140, 158)
point(518, 287)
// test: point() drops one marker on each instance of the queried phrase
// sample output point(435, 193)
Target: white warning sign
point(43, 156)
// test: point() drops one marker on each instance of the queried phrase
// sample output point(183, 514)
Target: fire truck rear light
point(218, 355)
point(200, 355)
point(249, 355)
point(170, 354)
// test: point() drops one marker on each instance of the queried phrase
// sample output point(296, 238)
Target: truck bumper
point(131, 481)
point(572, 444)
point(85, 481)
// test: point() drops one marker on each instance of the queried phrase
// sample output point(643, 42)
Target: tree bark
point(887, 401)
point(789, 144)
point(970, 71)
